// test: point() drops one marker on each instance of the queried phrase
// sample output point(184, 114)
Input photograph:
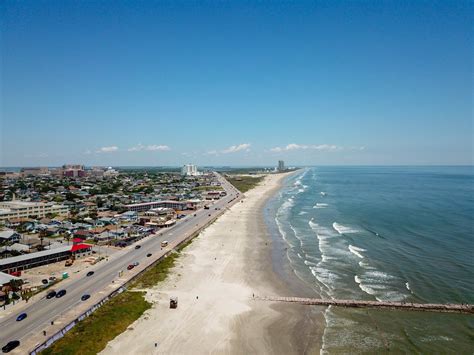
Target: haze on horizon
point(236, 83)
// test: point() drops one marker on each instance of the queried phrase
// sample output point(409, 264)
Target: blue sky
point(236, 83)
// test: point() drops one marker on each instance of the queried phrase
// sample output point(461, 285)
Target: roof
point(7, 234)
point(19, 258)
point(6, 278)
point(77, 247)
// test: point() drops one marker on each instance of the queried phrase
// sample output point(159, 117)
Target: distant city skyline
point(236, 84)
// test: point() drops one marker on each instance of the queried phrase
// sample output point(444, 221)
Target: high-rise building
point(189, 170)
point(281, 165)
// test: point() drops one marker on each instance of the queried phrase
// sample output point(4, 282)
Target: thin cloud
point(319, 147)
point(110, 149)
point(237, 148)
point(150, 148)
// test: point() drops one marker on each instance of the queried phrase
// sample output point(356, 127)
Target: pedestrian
point(44, 332)
point(253, 295)
point(156, 345)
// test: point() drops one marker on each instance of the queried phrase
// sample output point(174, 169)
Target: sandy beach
point(215, 280)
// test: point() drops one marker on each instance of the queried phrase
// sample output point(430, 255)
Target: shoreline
point(215, 280)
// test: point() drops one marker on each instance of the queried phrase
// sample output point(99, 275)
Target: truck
point(69, 262)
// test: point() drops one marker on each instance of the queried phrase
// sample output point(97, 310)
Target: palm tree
point(42, 235)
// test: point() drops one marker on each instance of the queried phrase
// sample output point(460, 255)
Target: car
point(148, 255)
point(60, 293)
point(51, 294)
point(21, 317)
point(90, 273)
point(10, 346)
point(130, 267)
point(85, 297)
point(136, 263)
point(44, 281)
point(52, 278)
point(138, 246)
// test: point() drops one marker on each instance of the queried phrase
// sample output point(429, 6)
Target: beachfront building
point(175, 205)
point(28, 261)
point(21, 209)
point(189, 170)
point(281, 165)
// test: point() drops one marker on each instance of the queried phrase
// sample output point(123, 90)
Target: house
point(9, 236)
point(83, 234)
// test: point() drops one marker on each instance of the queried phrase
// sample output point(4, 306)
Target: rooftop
point(39, 254)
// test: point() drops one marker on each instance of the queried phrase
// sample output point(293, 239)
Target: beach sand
point(215, 280)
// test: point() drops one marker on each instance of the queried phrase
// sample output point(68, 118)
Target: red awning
point(77, 247)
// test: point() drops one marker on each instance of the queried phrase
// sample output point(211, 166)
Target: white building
point(20, 209)
point(189, 170)
point(110, 172)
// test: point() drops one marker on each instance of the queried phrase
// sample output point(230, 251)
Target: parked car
point(85, 297)
point(44, 281)
point(138, 246)
point(10, 346)
point(136, 263)
point(51, 294)
point(21, 317)
point(130, 267)
point(164, 243)
point(148, 255)
point(90, 273)
point(60, 293)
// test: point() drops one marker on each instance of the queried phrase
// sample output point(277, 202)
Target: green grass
point(244, 183)
point(208, 188)
point(92, 334)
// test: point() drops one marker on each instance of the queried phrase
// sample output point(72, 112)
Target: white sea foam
point(302, 213)
point(407, 285)
point(320, 205)
point(356, 251)
point(343, 229)
point(357, 279)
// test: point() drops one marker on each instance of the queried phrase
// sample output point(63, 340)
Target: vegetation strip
point(244, 183)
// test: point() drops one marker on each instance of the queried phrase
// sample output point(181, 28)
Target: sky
point(236, 83)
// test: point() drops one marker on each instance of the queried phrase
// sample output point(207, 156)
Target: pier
point(409, 306)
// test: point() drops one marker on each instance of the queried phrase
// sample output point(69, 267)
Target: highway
point(43, 311)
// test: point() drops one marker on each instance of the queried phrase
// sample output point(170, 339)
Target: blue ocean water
point(384, 233)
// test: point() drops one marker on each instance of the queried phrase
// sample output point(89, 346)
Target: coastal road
point(43, 311)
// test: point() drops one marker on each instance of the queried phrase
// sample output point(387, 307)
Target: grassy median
point(92, 334)
point(244, 183)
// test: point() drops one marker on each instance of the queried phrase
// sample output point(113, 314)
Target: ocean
point(383, 233)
